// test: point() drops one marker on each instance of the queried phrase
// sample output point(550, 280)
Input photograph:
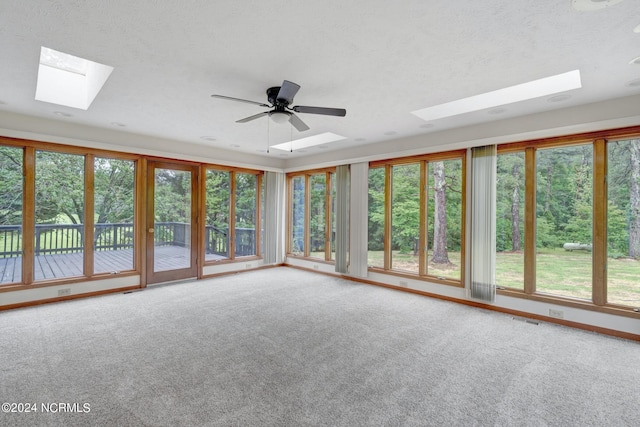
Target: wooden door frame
point(178, 274)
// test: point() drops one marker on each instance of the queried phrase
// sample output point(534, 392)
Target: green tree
point(405, 207)
point(11, 186)
point(509, 208)
point(317, 211)
point(218, 199)
point(440, 252)
point(376, 209)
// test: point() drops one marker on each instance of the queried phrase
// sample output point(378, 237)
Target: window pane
point(317, 211)
point(11, 215)
point(172, 213)
point(444, 219)
point(245, 213)
point(297, 216)
point(564, 220)
point(217, 216)
point(405, 217)
point(59, 214)
point(623, 223)
point(332, 227)
point(510, 220)
point(114, 185)
point(262, 202)
point(376, 218)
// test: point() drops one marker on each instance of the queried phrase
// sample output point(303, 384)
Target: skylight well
point(69, 80)
point(509, 95)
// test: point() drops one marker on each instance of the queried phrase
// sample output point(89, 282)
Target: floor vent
point(531, 322)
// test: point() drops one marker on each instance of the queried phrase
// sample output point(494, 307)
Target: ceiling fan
point(280, 97)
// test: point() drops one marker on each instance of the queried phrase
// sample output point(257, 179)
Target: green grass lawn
point(409, 263)
point(558, 272)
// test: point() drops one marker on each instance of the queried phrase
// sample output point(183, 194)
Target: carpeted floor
point(285, 347)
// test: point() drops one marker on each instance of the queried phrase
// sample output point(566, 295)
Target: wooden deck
point(70, 265)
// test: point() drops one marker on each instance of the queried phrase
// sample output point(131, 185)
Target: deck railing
point(68, 238)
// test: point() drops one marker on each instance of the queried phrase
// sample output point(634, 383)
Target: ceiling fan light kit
point(280, 116)
point(280, 97)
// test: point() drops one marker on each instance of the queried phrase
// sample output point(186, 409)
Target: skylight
point(310, 141)
point(509, 95)
point(68, 80)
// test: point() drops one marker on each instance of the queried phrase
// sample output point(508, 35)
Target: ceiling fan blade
point(287, 91)
point(340, 112)
point(230, 98)
point(255, 116)
point(298, 123)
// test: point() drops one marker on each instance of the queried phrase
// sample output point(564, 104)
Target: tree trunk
point(516, 240)
point(634, 201)
point(440, 255)
point(547, 195)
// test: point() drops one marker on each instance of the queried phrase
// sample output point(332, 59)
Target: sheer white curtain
point(359, 214)
point(342, 219)
point(483, 223)
point(274, 213)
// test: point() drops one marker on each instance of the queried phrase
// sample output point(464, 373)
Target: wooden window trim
point(89, 209)
point(431, 157)
point(306, 175)
point(600, 205)
point(423, 262)
point(232, 214)
point(327, 216)
point(28, 216)
point(530, 221)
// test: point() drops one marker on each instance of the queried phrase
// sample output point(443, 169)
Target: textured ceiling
point(378, 59)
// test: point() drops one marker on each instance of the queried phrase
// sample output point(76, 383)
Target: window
point(298, 192)
point(376, 217)
point(11, 165)
point(405, 217)
point(623, 223)
point(332, 219)
point(445, 219)
point(231, 214)
point(312, 214)
point(416, 215)
point(218, 202)
point(114, 207)
point(564, 221)
point(317, 215)
point(245, 214)
point(510, 211)
point(59, 215)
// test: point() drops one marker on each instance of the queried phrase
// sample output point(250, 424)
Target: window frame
point(232, 211)
point(328, 205)
point(28, 214)
point(423, 270)
point(599, 141)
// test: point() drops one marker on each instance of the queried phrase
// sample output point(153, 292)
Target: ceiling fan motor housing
point(272, 96)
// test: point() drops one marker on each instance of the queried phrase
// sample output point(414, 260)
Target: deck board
point(56, 266)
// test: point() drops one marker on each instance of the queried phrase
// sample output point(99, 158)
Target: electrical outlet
point(315, 266)
point(558, 314)
point(403, 283)
point(247, 266)
point(64, 292)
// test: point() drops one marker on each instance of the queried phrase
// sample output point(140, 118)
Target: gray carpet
point(292, 348)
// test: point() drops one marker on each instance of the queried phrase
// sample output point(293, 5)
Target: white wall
point(69, 289)
point(570, 314)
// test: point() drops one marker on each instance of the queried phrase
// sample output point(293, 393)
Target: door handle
point(151, 230)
